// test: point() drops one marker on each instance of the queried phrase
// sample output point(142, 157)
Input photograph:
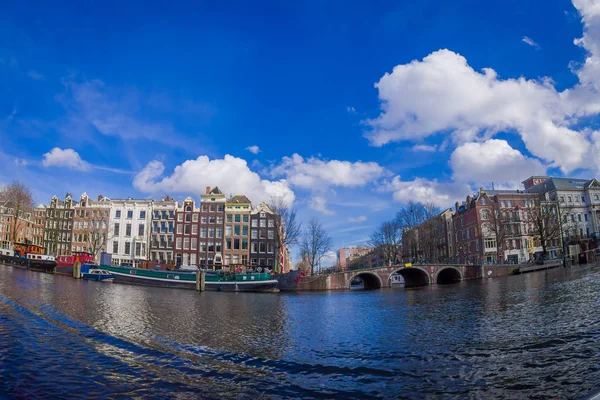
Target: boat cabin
point(40, 257)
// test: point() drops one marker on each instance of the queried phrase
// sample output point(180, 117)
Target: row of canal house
point(558, 215)
point(218, 231)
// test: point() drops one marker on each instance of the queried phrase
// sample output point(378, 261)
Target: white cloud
point(492, 161)
point(424, 147)
point(68, 158)
point(319, 203)
point(529, 41)
point(19, 162)
point(35, 75)
point(318, 174)
point(351, 110)
point(423, 190)
point(446, 94)
point(360, 218)
point(253, 149)
point(231, 174)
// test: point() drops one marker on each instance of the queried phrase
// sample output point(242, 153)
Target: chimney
point(468, 201)
point(207, 189)
point(100, 197)
point(456, 205)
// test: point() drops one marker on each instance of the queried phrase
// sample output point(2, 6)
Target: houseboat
point(218, 281)
point(64, 264)
point(29, 256)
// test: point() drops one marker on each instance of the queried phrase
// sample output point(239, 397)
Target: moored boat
point(219, 281)
point(96, 274)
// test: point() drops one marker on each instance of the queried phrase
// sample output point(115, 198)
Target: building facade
point(130, 221)
point(187, 217)
point(91, 226)
point(578, 201)
point(264, 237)
point(59, 226)
point(162, 242)
point(15, 231)
point(39, 223)
point(347, 254)
point(212, 227)
point(237, 230)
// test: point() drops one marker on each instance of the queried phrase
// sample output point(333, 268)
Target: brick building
point(59, 226)
point(264, 237)
point(90, 226)
point(212, 227)
point(187, 217)
point(162, 240)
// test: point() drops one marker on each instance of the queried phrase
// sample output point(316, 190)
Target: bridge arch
point(448, 275)
point(413, 276)
point(370, 280)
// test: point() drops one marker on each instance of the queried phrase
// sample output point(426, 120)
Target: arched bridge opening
point(448, 275)
point(413, 277)
point(370, 281)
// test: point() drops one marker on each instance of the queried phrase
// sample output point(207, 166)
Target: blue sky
point(123, 99)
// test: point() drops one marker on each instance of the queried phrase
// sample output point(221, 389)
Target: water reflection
point(519, 336)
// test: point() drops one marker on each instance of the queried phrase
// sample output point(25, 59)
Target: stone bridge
point(417, 275)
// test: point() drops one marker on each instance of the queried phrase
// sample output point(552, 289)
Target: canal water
point(530, 336)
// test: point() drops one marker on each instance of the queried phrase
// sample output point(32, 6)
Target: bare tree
point(546, 224)
point(18, 198)
point(418, 226)
point(315, 244)
point(501, 226)
point(287, 225)
point(386, 239)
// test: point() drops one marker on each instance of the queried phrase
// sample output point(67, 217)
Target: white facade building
point(130, 231)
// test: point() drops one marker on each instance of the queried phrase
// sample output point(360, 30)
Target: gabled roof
point(215, 190)
point(239, 199)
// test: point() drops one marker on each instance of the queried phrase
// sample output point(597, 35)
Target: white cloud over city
point(67, 158)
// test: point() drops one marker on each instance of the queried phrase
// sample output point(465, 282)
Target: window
point(244, 244)
point(188, 217)
point(485, 215)
point(262, 247)
point(502, 203)
point(255, 223)
point(180, 229)
point(193, 259)
point(142, 214)
point(595, 197)
point(477, 245)
point(202, 246)
point(188, 229)
point(227, 230)
point(582, 199)
point(237, 218)
point(116, 229)
point(212, 208)
point(211, 232)
point(115, 247)
point(245, 230)
point(221, 208)
point(579, 217)
point(178, 243)
point(271, 234)
point(236, 244)
point(489, 243)
point(195, 218)
point(218, 247)
point(188, 208)
point(253, 261)
point(163, 226)
point(236, 230)
point(229, 218)
point(585, 216)
point(227, 244)
point(203, 219)
point(219, 233)
point(263, 234)
point(129, 214)
point(194, 229)
point(171, 214)
point(245, 218)
point(203, 232)
point(170, 226)
point(141, 230)
point(483, 201)
point(220, 220)
point(263, 223)
point(263, 215)
point(186, 243)
point(508, 203)
point(271, 223)
point(570, 199)
point(127, 247)
point(211, 219)
point(179, 217)
point(138, 249)
point(562, 199)
point(156, 215)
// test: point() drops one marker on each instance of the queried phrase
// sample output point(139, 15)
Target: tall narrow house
point(237, 230)
point(212, 226)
